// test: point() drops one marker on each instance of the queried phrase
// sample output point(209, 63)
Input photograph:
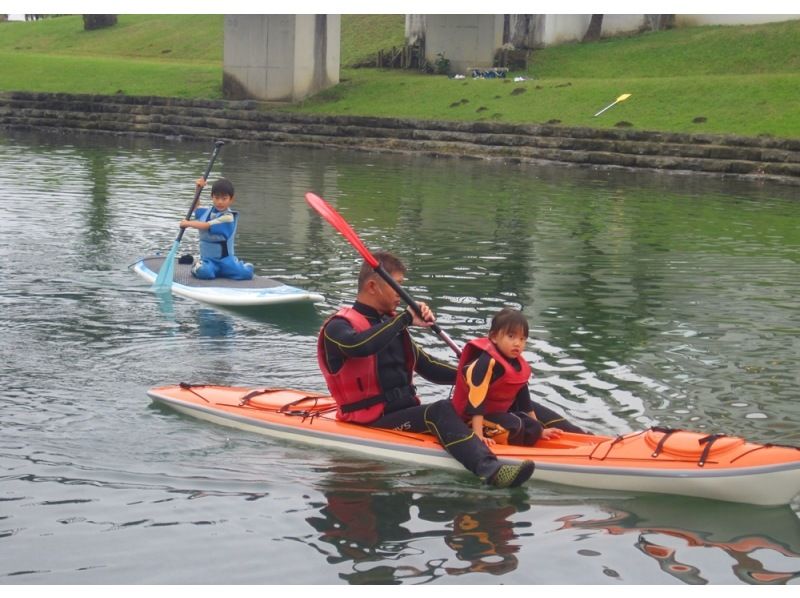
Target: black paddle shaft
point(381, 271)
point(217, 146)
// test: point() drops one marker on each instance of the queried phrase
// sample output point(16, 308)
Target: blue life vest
point(219, 243)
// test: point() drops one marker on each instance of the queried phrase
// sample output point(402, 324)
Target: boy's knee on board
point(235, 269)
point(204, 270)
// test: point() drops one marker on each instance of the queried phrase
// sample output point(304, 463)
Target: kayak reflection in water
point(372, 528)
point(368, 359)
point(667, 533)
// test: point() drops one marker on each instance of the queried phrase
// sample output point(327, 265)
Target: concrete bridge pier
point(465, 40)
point(280, 58)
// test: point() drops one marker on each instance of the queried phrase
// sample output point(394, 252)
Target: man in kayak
point(217, 227)
point(368, 360)
point(492, 387)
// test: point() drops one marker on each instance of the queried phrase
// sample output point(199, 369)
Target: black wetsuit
point(402, 412)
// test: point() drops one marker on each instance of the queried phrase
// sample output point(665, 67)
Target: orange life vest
point(356, 386)
point(501, 392)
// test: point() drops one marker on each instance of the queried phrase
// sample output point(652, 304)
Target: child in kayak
point(217, 228)
point(368, 359)
point(492, 392)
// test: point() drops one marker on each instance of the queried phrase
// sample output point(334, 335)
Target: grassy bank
point(756, 105)
point(182, 38)
point(362, 36)
point(163, 55)
point(740, 80)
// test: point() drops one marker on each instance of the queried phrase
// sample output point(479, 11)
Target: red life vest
point(357, 380)
point(502, 392)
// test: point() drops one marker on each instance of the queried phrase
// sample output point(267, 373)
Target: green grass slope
point(740, 80)
point(697, 51)
point(363, 35)
point(184, 38)
point(162, 55)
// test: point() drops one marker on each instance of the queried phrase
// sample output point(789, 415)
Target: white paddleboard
point(224, 291)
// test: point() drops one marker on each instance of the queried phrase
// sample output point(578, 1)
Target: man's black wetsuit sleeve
point(432, 369)
point(342, 338)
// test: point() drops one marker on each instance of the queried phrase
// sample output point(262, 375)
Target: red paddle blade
point(335, 219)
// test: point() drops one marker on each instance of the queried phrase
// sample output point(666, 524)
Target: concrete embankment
point(757, 158)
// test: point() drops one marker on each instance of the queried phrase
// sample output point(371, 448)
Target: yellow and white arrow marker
point(621, 98)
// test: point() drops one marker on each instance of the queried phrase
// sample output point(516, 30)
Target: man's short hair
point(390, 263)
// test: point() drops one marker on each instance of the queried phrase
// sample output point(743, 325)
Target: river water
point(653, 299)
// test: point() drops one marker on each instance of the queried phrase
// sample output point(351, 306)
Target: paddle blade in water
point(166, 274)
point(333, 217)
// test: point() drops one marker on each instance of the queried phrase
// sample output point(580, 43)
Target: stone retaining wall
point(762, 158)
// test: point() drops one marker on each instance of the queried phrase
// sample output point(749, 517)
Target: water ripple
point(651, 299)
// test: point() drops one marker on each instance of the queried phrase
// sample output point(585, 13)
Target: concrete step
point(764, 157)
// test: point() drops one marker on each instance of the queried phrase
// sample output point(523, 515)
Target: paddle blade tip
point(340, 224)
point(163, 282)
point(313, 198)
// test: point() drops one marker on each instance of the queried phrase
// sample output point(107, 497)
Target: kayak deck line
point(732, 468)
point(325, 411)
point(308, 431)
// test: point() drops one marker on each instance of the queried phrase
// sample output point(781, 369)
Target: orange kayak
point(659, 460)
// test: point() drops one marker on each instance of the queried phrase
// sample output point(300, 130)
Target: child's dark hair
point(509, 319)
point(222, 187)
